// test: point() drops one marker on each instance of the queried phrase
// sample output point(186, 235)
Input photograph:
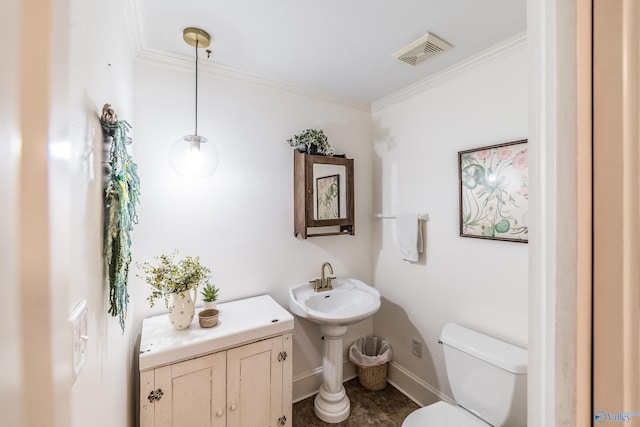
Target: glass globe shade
point(193, 155)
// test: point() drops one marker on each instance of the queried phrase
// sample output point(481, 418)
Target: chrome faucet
point(323, 283)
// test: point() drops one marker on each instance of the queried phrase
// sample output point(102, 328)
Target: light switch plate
point(79, 330)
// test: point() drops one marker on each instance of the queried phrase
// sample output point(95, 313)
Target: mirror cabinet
point(323, 195)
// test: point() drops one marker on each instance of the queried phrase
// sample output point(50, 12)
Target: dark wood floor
point(385, 408)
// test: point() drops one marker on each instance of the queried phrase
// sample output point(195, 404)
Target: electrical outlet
point(417, 348)
point(79, 328)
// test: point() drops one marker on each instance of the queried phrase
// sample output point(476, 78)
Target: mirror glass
point(329, 191)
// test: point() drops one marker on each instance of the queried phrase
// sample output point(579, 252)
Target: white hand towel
point(407, 229)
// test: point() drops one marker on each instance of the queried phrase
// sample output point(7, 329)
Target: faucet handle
point(315, 283)
point(329, 279)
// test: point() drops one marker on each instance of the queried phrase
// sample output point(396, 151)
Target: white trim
point(512, 44)
point(160, 57)
point(422, 393)
point(134, 22)
point(134, 17)
point(308, 383)
point(553, 306)
point(537, 411)
point(416, 389)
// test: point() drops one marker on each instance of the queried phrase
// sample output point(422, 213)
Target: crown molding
point(184, 62)
point(134, 19)
point(512, 44)
point(134, 23)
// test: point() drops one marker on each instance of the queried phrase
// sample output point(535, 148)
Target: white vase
point(182, 308)
point(209, 305)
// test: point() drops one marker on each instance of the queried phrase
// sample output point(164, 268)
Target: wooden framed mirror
point(323, 195)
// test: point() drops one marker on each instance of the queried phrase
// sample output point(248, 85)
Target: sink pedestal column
point(332, 404)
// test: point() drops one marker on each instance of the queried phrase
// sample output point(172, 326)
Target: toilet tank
point(488, 377)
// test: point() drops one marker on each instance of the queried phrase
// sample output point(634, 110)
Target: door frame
point(559, 376)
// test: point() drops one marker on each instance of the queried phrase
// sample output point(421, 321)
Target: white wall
point(51, 231)
point(478, 283)
point(240, 221)
point(103, 394)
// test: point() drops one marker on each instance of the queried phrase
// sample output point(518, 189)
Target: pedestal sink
point(349, 302)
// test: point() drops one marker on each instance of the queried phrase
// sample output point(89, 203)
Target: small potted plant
point(209, 296)
point(178, 281)
point(312, 141)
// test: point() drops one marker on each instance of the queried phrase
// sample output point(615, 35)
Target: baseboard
point(413, 387)
point(307, 384)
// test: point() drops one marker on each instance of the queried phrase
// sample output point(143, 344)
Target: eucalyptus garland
point(120, 198)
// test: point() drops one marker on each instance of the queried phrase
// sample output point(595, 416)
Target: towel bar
point(421, 217)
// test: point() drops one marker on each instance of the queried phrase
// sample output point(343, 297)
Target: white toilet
point(488, 379)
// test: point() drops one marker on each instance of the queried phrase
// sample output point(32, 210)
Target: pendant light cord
point(196, 133)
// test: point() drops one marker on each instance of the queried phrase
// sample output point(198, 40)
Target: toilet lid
point(442, 414)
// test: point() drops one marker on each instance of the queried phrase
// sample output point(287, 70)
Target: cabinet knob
point(233, 407)
point(220, 412)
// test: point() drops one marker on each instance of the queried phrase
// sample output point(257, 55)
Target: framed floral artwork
point(494, 192)
point(328, 197)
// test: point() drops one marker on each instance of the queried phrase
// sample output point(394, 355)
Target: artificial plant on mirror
point(120, 198)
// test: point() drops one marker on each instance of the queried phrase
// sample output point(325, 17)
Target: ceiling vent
point(422, 49)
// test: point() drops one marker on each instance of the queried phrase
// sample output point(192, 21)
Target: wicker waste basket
point(371, 355)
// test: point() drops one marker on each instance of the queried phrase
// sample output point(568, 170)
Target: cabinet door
point(191, 393)
point(255, 374)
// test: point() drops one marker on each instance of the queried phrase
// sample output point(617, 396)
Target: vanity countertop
point(240, 322)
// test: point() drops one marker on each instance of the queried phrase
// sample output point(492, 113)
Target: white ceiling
point(339, 46)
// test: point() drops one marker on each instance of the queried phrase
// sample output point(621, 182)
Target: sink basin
point(349, 302)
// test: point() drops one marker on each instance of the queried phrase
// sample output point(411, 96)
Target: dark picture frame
point(494, 192)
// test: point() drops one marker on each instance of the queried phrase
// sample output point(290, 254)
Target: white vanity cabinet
point(231, 375)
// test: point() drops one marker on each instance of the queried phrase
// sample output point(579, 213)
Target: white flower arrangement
point(169, 277)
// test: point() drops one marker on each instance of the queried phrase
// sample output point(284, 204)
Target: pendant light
point(194, 155)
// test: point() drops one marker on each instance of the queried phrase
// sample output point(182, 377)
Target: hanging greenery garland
point(120, 198)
